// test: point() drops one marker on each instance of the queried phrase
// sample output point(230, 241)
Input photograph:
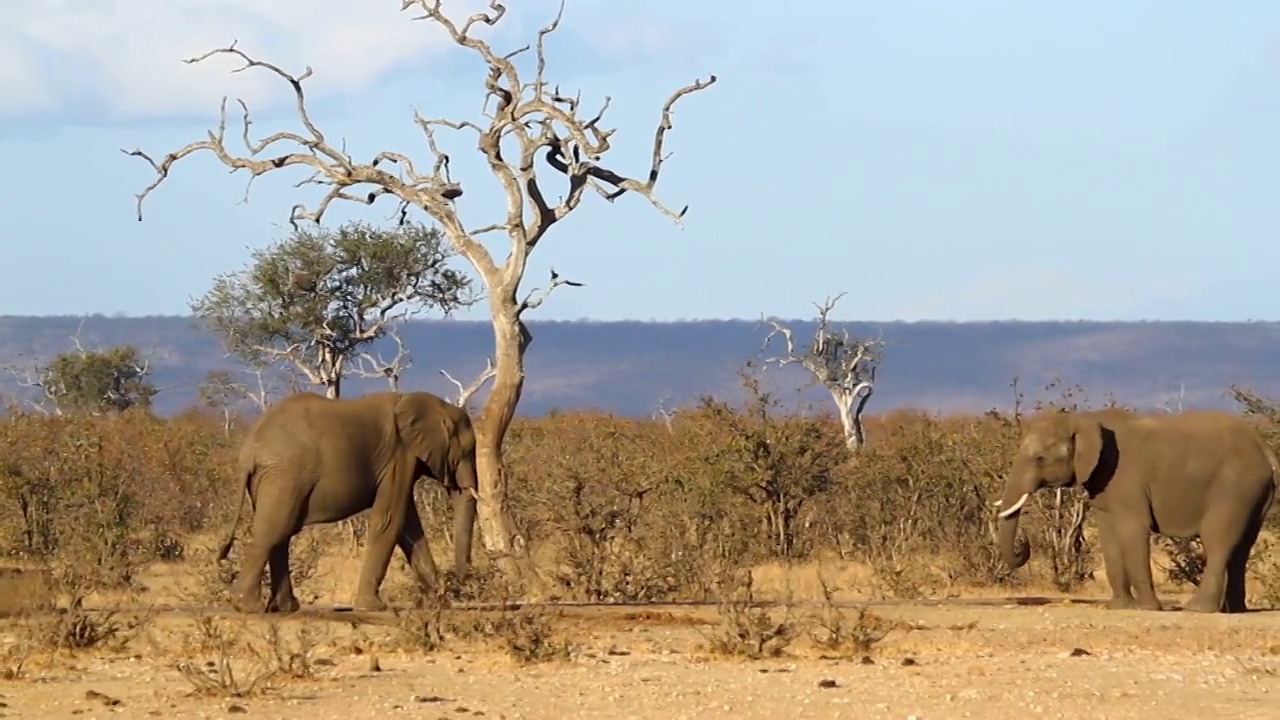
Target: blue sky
point(937, 160)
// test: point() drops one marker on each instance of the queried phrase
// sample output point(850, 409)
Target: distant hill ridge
point(629, 367)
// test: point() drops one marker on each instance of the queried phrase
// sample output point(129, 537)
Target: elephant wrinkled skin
point(310, 459)
point(1197, 473)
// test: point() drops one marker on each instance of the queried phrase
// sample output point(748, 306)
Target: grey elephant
point(1198, 473)
point(310, 459)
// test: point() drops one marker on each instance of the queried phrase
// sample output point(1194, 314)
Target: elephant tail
point(231, 536)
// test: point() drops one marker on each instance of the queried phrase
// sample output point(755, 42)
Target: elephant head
point(440, 436)
point(1058, 449)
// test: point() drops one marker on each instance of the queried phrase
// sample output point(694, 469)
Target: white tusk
point(1015, 507)
point(474, 495)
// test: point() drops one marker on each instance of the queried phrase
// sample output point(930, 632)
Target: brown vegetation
point(619, 509)
point(757, 510)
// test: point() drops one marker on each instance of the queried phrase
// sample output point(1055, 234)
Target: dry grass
point(747, 508)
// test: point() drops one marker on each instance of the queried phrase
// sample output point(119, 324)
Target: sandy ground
point(1059, 660)
point(1055, 659)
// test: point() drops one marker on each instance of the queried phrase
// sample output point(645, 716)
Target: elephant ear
point(1087, 437)
point(426, 433)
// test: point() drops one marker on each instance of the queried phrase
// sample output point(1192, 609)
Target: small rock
point(866, 660)
point(1078, 652)
point(374, 665)
point(429, 699)
point(827, 683)
point(236, 708)
point(908, 661)
point(107, 700)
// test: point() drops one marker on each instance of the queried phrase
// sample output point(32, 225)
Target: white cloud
point(125, 56)
point(20, 87)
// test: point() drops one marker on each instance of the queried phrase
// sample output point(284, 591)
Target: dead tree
point(373, 366)
point(466, 392)
point(530, 120)
point(668, 415)
point(844, 365)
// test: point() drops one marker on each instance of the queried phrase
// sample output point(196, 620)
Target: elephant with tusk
point(1200, 473)
point(310, 459)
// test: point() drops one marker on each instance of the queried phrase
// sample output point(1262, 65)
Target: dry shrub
point(97, 497)
point(222, 661)
point(615, 508)
point(527, 634)
point(749, 629)
point(832, 630)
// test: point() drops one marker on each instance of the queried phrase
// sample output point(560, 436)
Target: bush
point(616, 508)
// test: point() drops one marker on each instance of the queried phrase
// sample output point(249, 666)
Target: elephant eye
point(1040, 459)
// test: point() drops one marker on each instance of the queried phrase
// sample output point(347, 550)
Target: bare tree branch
point(668, 416)
point(537, 296)
point(93, 380)
point(1174, 403)
point(465, 393)
point(36, 378)
point(548, 136)
point(371, 366)
point(845, 366)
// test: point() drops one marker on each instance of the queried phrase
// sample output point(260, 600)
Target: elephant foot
point(285, 605)
point(1127, 602)
point(247, 604)
point(1200, 605)
point(369, 603)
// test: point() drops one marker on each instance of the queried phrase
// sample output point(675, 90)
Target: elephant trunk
point(1014, 550)
point(464, 518)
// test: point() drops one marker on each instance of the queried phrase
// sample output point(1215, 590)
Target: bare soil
point(1046, 658)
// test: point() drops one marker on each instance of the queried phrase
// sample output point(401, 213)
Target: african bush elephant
point(311, 460)
point(1201, 472)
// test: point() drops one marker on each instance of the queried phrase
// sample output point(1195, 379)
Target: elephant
point(310, 459)
point(1204, 473)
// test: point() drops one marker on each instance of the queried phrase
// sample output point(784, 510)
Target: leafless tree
point(373, 366)
point(535, 119)
point(668, 415)
point(1174, 402)
point(468, 391)
point(845, 366)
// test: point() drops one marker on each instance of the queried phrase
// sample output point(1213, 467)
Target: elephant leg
point(1225, 533)
point(1136, 545)
point(1210, 595)
point(385, 526)
point(282, 598)
point(413, 543)
point(246, 593)
point(1132, 543)
point(1113, 560)
point(1233, 600)
point(275, 520)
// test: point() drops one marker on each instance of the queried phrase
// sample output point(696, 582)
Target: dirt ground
point(1052, 659)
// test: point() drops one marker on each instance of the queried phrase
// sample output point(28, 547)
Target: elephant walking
point(1199, 473)
point(310, 459)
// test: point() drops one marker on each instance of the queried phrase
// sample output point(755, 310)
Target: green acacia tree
point(110, 380)
point(314, 299)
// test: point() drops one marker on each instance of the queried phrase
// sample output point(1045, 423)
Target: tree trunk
point(851, 407)
point(497, 527)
